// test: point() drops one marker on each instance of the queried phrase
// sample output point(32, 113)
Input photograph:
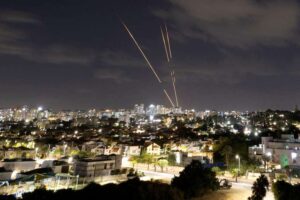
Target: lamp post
point(269, 154)
point(36, 151)
point(294, 156)
point(239, 162)
point(77, 177)
point(65, 147)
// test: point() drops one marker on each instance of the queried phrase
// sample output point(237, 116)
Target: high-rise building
point(139, 109)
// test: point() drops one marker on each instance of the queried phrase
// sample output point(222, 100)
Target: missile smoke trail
point(141, 51)
point(169, 97)
point(165, 45)
point(147, 60)
point(168, 39)
point(174, 87)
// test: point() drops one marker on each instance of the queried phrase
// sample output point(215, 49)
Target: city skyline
point(81, 57)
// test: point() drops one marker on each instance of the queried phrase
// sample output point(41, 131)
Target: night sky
point(75, 54)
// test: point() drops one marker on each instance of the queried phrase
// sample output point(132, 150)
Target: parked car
point(225, 184)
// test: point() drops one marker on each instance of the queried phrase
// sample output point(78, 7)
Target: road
point(239, 190)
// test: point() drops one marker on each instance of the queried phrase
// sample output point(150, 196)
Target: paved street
point(239, 190)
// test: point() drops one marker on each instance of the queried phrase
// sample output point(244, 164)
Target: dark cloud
point(14, 42)
point(239, 23)
point(12, 16)
point(112, 74)
point(120, 59)
point(62, 54)
point(232, 69)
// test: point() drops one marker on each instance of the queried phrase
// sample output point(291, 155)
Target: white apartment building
point(284, 151)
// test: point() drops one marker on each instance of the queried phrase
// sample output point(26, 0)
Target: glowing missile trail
point(168, 40)
point(141, 51)
point(174, 87)
point(169, 97)
point(165, 45)
point(148, 62)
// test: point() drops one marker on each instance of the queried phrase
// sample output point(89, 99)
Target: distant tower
point(139, 109)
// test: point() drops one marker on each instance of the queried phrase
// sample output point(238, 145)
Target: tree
point(259, 188)
point(172, 159)
point(134, 160)
point(162, 163)
point(282, 190)
point(195, 180)
point(226, 151)
point(217, 170)
point(265, 159)
point(148, 159)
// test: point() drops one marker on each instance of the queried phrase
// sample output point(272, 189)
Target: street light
point(269, 155)
point(65, 146)
point(294, 156)
point(77, 177)
point(239, 161)
point(36, 151)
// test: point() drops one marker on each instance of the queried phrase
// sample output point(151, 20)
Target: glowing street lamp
point(294, 156)
point(239, 162)
point(269, 155)
point(36, 151)
point(65, 147)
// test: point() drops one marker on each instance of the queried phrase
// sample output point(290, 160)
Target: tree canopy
point(259, 188)
point(133, 189)
point(195, 180)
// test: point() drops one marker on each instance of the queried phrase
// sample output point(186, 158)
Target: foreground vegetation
point(193, 181)
point(286, 191)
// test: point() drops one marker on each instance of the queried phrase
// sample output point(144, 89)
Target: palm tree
point(259, 188)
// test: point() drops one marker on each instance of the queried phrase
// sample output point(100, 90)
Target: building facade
point(99, 166)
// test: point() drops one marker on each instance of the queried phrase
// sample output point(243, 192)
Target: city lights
point(150, 99)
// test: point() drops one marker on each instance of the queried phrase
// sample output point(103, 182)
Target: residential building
point(99, 166)
point(152, 148)
point(18, 164)
point(283, 152)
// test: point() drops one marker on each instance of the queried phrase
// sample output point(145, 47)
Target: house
point(57, 166)
point(99, 150)
point(204, 157)
point(115, 149)
point(18, 164)
point(152, 148)
point(132, 150)
point(88, 146)
point(99, 166)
